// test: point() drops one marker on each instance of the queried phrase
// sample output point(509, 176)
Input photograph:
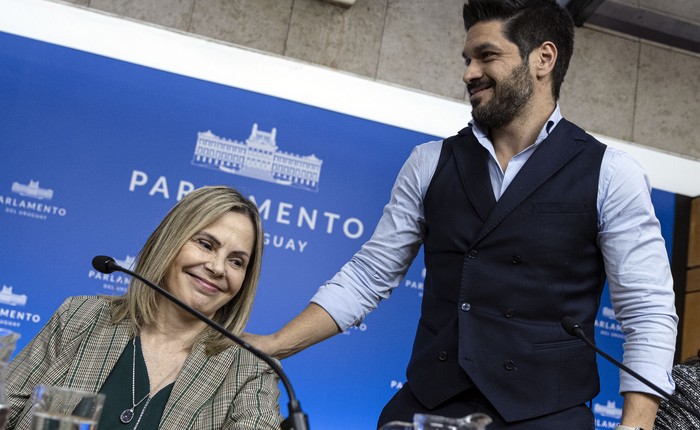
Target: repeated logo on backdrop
point(608, 325)
point(31, 201)
point(607, 415)
point(12, 309)
point(258, 157)
point(114, 283)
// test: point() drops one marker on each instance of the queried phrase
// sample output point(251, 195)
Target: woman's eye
point(236, 262)
point(204, 244)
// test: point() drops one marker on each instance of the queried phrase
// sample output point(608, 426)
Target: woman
point(159, 366)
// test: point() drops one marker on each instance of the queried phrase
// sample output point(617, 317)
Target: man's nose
point(472, 73)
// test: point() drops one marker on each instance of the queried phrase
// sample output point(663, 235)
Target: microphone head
point(570, 325)
point(104, 264)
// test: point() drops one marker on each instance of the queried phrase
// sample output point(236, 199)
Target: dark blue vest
point(501, 275)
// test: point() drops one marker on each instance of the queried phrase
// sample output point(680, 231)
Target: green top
point(117, 388)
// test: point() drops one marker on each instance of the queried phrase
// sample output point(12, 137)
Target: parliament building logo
point(7, 297)
point(9, 315)
point(608, 313)
point(607, 416)
point(259, 158)
point(31, 201)
point(32, 190)
point(609, 410)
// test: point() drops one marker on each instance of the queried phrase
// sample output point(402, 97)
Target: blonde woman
point(159, 366)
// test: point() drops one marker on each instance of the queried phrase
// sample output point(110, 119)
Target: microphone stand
point(574, 329)
point(297, 419)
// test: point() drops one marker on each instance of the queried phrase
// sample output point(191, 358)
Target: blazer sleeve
point(29, 367)
point(256, 404)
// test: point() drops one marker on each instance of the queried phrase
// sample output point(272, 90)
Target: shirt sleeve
point(380, 265)
point(638, 271)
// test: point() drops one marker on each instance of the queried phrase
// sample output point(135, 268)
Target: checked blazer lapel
point(472, 163)
point(100, 345)
point(561, 146)
point(200, 377)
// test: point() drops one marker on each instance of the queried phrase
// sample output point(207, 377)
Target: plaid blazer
point(79, 346)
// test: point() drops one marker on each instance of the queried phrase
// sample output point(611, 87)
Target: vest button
point(472, 253)
point(509, 365)
point(466, 306)
point(442, 356)
point(516, 259)
point(509, 313)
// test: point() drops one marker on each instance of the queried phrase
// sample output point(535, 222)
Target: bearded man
point(522, 216)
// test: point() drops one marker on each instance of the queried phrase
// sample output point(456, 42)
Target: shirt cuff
point(655, 374)
point(345, 314)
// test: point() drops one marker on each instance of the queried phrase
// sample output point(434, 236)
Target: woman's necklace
point(128, 414)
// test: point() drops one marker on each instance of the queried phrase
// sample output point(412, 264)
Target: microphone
point(297, 419)
point(574, 329)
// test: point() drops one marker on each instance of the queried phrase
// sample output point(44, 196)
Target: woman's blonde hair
point(192, 214)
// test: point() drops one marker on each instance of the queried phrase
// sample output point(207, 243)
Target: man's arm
point(641, 286)
point(311, 326)
point(373, 272)
point(639, 410)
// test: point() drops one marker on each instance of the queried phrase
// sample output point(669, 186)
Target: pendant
point(126, 416)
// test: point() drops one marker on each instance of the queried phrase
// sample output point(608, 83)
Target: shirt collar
point(482, 136)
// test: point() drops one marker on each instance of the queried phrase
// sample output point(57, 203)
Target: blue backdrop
point(95, 151)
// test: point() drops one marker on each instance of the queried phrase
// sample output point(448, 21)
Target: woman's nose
point(215, 265)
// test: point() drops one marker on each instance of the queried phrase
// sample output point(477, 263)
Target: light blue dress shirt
point(629, 236)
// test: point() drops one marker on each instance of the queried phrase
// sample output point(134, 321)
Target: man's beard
point(508, 100)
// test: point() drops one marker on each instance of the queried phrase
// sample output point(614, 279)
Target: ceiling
point(660, 25)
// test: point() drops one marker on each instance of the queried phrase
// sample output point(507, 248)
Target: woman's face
point(209, 269)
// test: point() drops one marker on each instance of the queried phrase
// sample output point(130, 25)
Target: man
point(521, 215)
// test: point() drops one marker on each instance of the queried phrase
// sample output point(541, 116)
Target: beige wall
point(617, 86)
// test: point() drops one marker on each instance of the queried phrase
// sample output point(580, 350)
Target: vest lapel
point(473, 167)
point(560, 147)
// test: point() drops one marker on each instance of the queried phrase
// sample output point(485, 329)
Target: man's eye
point(467, 61)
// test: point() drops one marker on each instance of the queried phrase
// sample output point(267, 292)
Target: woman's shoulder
point(83, 308)
point(255, 365)
point(85, 302)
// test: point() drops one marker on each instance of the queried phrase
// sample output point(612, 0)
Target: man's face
point(499, 82)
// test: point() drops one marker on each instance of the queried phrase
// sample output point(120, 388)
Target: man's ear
point(543, 59)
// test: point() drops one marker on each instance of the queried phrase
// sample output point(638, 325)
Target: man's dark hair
point(528, 24)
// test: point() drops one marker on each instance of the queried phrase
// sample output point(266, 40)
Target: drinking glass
point(58, 408)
